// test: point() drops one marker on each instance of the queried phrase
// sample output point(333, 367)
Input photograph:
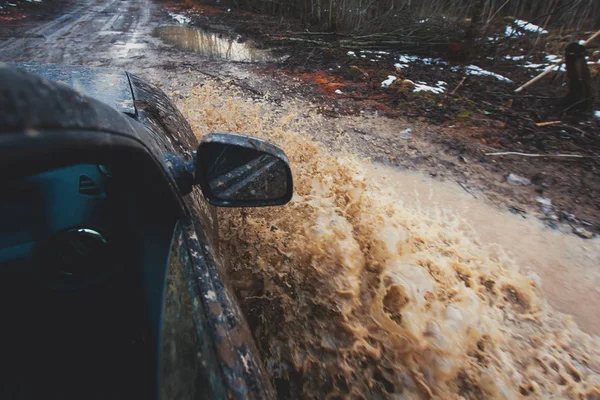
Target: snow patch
point(404, 60)
point(390, 79)
point(528, 26)
point(530, 65)
point(180, 18)
point(423, 87)
point(597, 114)
point(475, 70)
point(11, 4)
point(515, 58)
point(509, 31)
point(581, 42)
point(351, 53)
point(541, 67)
point(374, 52)
point(338, 91)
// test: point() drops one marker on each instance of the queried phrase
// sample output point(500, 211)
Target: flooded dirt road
point(372, 276)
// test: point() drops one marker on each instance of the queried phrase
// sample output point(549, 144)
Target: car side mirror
point(242, 171)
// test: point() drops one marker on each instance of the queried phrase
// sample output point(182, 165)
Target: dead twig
point(514, 153)
point(459, 85)
point(465, 188)
point(547, 123)
point(540, 76)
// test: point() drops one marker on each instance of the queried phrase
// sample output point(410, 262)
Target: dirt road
point(119, 34)
point(100, 33)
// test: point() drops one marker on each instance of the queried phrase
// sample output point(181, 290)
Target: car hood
point(111, 86)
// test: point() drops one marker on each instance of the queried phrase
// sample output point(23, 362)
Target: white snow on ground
point(475, 70)
point(528, 26)
point(338, 91)
point(515, 58)
point(542, 66)
point(509, 31)
point(405, 59)
point(581, 42)
point(182, 19)
point(351, 53)
point(530, 65)
point(423, 87)
point(11, 4)
point(563, 68)
point(374, 52)
point(390, 79)
point(597, 114)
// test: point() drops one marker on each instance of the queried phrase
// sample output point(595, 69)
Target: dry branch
point(547, 123)
point(514, 153)
point(550, 68)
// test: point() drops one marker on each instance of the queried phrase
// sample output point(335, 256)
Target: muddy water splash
point(351, 294)
point(213, 45)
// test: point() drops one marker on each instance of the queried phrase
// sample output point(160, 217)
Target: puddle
point(214, 45)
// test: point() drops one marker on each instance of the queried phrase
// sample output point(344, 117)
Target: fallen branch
point(295, 39)
point(315, 33)
point(550, 68)
point(465, 188)
point(594, 36)
point(547, 123)
point(459, 85)
point(540, 76)
point(514, 153)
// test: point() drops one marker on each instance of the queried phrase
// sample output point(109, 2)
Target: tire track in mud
point(94, 33)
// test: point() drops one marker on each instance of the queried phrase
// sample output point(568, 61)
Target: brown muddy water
point(214, 45)
point(373, 283)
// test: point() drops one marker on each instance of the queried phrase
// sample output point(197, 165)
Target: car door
point(206, 348)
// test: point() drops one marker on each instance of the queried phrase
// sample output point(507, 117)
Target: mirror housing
point(242, 171)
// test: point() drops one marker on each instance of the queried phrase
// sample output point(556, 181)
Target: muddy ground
point(451, 132)
point(445, 136)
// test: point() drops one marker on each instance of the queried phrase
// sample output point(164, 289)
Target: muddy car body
point(111, 282)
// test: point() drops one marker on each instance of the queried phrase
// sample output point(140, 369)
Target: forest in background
point(373, 16)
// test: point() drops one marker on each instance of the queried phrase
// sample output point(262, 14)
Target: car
point(111, 281)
